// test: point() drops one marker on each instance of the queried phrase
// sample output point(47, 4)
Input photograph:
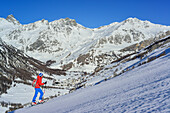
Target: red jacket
point(39, 82)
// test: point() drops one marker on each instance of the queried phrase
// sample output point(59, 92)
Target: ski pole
point(44, 88)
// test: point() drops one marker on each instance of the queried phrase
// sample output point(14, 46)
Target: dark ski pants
point(36, 93)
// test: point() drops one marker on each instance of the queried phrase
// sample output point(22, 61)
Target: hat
point(40, 74)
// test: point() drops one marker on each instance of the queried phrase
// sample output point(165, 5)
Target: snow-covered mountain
point(104, 52)
point(134, 64)
point(71, 46)
point(144, 86)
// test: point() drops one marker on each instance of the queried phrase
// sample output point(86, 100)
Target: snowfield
point(143, 89)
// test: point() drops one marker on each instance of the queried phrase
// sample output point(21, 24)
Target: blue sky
point(89, 13)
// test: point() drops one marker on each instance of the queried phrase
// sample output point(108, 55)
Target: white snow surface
point(143, 89)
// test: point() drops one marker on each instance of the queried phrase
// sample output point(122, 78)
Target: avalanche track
point(144, 89)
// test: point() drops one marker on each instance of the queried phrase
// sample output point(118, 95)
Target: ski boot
point(33, 103)
point(41, 101)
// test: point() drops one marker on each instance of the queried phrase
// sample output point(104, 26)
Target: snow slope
point(144, 89)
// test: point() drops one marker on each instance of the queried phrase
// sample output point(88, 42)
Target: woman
point(38, 89)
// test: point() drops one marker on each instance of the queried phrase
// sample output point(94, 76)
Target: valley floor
point(144, 89)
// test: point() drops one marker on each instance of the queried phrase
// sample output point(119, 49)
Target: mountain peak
point(68, 21)
point(132, 20)
point(11, 15)
point(11, 18)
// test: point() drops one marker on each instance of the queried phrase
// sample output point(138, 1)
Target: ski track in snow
point(145, 89)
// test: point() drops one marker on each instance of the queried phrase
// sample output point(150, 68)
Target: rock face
point(69, 43)
point(11, 19)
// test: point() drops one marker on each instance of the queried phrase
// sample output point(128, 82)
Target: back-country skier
point(38, 83)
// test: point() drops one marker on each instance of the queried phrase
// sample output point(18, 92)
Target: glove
point(45, 82)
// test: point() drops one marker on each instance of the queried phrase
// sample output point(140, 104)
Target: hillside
point(143, 89)
point(17, 70)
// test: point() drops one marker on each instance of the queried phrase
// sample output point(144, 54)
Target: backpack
point(34, 82)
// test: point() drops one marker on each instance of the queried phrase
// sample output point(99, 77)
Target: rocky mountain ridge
point(73, 46)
